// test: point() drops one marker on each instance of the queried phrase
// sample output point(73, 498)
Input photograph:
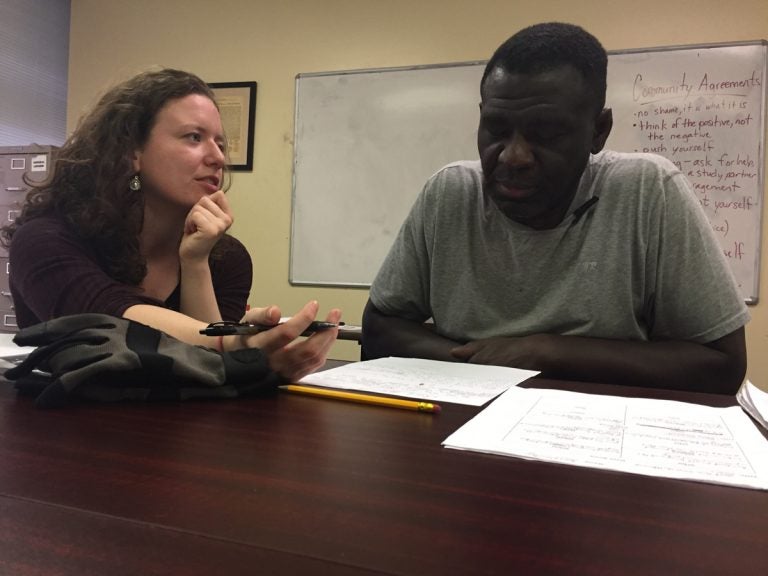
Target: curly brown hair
point(88, 184)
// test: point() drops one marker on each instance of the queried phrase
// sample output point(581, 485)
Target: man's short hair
point(543, 47)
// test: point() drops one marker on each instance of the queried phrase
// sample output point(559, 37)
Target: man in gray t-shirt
point(554, 255)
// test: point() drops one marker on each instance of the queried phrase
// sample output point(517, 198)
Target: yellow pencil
point(363, 398)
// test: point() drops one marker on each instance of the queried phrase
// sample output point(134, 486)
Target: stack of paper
point(754, 401)
point(637, 435)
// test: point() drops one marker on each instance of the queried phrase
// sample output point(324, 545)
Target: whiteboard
point(366, 141)
point(365, 144)
point(702, 107)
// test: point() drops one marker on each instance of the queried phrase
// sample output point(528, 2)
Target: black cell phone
point(229, 329)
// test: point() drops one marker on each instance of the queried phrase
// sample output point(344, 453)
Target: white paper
point(9, 349)
point(636, 435)
point(455, 382)
point(754, 401)
point(10, 352)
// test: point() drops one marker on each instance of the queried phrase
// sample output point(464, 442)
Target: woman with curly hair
point(132, 222)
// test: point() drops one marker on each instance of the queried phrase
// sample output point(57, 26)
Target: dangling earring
point(135, 183)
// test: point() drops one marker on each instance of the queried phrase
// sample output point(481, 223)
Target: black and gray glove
point(103, 358)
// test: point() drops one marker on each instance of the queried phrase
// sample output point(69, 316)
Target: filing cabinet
point(19, 165)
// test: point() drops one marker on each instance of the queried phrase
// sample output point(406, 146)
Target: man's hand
point(208, 220)
point(527, 352)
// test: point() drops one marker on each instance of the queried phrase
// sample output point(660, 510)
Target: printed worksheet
point(641, 436)
point(420, 379)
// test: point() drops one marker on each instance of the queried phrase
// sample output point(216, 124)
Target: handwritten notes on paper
point(423, 379)
point(637, 435)
point(702, 108)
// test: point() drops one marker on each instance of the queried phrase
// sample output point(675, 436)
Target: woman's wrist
point(194, 265)
point(230, 343)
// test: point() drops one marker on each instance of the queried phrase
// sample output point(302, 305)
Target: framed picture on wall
point(237, 103)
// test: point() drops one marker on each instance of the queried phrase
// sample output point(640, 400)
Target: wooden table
point(297, 485)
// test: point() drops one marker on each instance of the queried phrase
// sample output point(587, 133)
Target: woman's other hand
point(291, 357)
point(206, 222)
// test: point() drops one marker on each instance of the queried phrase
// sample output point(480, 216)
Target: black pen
point(225, 329)
point(581, 210)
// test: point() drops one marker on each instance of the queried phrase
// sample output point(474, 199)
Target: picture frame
point(237, 105)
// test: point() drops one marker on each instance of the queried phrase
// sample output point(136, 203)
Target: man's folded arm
point(385, 335)
point(717, 367)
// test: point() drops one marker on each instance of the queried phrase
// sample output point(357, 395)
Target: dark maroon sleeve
point(53, 273)
point(232, 274)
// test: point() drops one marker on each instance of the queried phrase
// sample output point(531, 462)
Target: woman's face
point(183, 158)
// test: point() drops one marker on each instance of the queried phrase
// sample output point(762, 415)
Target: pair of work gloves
point(103, 358)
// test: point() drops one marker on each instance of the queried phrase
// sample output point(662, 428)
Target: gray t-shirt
point(642, 263)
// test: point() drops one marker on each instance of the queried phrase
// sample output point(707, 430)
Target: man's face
point(535, 136)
